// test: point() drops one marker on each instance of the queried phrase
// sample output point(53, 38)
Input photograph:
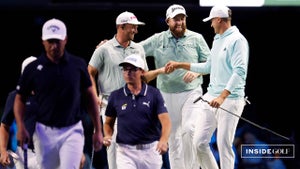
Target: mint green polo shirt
point(106, 60)
point(164, 47)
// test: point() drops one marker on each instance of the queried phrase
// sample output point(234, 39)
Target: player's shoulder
point(189, 32)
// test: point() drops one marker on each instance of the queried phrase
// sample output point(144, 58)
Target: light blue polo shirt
point(227, 65)
point(164, 47)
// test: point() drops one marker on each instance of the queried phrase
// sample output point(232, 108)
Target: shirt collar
point(143, 92)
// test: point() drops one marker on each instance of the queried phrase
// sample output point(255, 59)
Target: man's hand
point(190, 76)
point(107, 141)
point(101, 43)
point(170, 67)
point(162, 147)
point(97, 141)
point(6, 158)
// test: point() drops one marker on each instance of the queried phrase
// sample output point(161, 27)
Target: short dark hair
point(229, 18)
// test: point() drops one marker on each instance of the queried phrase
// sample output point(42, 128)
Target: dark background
point(272, 32)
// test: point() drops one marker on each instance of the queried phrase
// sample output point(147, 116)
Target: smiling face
point(129, 30)
point(177, 25)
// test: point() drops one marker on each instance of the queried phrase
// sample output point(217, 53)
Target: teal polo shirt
point(164, 47)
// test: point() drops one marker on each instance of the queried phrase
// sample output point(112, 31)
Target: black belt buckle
point(139, 146)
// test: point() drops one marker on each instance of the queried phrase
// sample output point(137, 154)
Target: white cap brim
point(207, 19)
point(60, 37)
point(136, 23)
point(176, 13)
point(132, 63)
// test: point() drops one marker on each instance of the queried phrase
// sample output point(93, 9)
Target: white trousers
point(183, 113)
point(31, 159)
point(211, 119)
point(59, 148)
point(138, 156)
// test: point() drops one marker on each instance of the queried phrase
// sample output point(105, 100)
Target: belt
point(138, 146)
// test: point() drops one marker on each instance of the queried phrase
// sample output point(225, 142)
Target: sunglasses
point(130, 69)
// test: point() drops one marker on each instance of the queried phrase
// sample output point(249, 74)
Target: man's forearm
point(152, 74)
point(4, 133)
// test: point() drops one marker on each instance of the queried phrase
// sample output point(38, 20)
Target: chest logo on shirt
point(124, 106)
point(40, 67)
point(147, 104)
point(28, 103)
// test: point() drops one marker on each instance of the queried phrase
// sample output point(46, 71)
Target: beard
point(178, 32)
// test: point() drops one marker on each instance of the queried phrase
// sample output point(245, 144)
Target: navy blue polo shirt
point(8, 113)
point(8, 116)
point(137, 116)
point(58, 88)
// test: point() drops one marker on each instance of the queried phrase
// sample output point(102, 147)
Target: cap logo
point(175, 8)
point(132, 59)
point(53, 28)
point(125, 20)
point(133, 17)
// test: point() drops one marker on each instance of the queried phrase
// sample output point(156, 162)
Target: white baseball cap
point(128, 18)
point(135, 60)
point(54, 29)
point(26, 62)
point(217, 11)
point(174, 10)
